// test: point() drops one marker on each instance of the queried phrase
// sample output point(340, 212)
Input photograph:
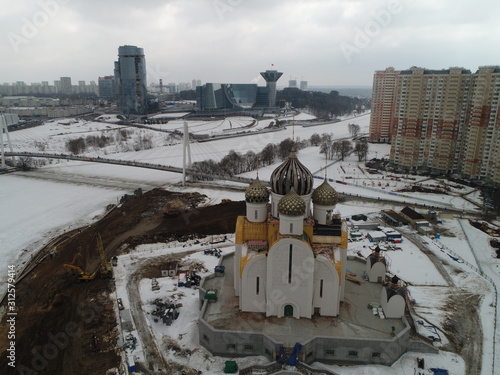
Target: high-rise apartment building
point(195, 83)
point(480, 155)
point(107, 87)
point(303, 85)
point(183, 86)
point(130, 80)
point(383, 105)
point(82, 87)
point(429, 117)
point(442, 121)
point(66, 87)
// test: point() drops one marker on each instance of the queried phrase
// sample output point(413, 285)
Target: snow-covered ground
point(428, 288)
point(35, 211)
point(63, 195)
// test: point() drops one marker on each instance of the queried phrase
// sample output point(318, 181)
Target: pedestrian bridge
point(128, 163)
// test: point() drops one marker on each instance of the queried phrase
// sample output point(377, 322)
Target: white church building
point(290, 258)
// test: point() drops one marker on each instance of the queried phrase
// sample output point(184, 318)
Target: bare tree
point(26, 163)
point(284, 148)
point(232, 163)
point(268, 154)
point(76, 146)
point(353, 130)
point(315, 139)
point(250, 161)
point(326, 146)
point(342, 148)
point(361, 149)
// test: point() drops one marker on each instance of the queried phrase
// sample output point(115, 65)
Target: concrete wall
point(239, 343)
point(357, 351)
point(244, 342)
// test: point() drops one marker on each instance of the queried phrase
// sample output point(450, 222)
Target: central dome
point(291, 174)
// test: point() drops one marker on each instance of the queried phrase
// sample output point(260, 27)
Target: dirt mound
point(67, 327)
point(463, 329)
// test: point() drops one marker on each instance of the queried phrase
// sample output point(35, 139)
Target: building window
point(290, 265)
point(291, 227)
point(353, 353)
point(256, 214)
point(257, 285)
point(376, 355)
point(248, 347)
point(231, 346)
point(330, 352)
point(205, 338)
point(321, 288)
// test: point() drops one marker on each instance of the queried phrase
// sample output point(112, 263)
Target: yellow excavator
point(82, 275)
point(106, 270)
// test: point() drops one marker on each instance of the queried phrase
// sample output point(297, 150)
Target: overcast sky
point(326, 42)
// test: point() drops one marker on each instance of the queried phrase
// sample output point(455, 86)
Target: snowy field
point(35, 211)
point(63, 195)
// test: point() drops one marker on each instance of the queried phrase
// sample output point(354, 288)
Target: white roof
point(376, 234)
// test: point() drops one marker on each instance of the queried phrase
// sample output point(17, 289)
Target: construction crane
point(82, 275)
point(105, 265)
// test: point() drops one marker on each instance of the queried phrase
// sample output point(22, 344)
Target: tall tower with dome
point(290, 257)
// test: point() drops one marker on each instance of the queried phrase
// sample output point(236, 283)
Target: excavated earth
point(64, 326)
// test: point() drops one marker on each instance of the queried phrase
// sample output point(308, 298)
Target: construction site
point(66, 320)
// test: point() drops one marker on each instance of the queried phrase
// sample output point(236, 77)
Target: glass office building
point(130, 80)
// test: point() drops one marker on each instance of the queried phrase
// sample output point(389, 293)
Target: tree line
point(236, 163)
point(139, 141)
point(322, 105)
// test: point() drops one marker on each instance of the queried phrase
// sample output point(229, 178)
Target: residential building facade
point(107, 87)
point(383, 105)
point(439, 121)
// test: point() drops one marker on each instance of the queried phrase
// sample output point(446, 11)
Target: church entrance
point(288, 310)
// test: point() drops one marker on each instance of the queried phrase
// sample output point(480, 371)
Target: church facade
point(291, 253)
point(290, 260)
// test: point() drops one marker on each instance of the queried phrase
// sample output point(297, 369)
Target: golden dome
point(325, 195)
point(256, 192)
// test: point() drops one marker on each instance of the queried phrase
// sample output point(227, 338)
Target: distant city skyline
point(335, 42)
